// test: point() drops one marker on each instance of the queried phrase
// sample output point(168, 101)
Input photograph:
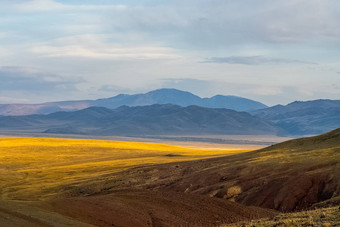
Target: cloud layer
point(269, 46)
point(253, 60)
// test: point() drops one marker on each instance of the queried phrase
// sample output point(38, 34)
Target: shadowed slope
point(293, 175)
point(150, 208)
point(144, 120)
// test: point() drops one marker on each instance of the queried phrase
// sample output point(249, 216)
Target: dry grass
point(38, 168)
point(325, 217)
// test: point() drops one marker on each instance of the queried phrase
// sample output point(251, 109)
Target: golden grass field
point(39, 168)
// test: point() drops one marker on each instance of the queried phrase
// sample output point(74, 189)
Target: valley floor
point(83, 182)
point(191, 141)
point(63, 182)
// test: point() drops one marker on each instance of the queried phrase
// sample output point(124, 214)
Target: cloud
point(50, 5)
point(4, 99)
point(145, 44)
point(201, 87)
point(253, 60)
point(219, 24)
point(98, 46)
point(27, 79)
point(113, 89)
point(3, 51)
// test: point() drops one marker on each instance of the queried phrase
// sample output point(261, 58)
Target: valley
point(52, 182)
point(41, 167)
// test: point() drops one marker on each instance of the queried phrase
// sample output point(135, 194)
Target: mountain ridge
point(155, 119)
point(304, 117)
point(159, 96)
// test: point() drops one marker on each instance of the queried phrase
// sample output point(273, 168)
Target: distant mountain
point(156, 119)
point(303, 118)
point(181, 98)
point(161, 96)
point(43, 108)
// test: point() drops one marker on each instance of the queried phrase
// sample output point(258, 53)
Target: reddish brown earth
point(150, 208)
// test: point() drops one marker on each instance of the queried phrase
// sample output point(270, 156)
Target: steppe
point(83, 182)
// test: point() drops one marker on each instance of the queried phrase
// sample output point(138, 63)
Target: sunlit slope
point(36, 168)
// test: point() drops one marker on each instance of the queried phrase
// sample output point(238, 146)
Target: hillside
point(303, 118)
point(294, 175)
point(160, 96)
point(318, 217)
point(145, 120)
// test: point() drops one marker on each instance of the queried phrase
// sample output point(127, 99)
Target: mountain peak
point(159, 96)
point(168, 90)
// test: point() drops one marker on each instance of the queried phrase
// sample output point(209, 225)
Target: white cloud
point(50, 5)
point(5, 100)
point(253, 60)
point(110, 52)
point(136, 46)
point(30, 79)
point(96, 46)
point(3, 51)
point(265, 90)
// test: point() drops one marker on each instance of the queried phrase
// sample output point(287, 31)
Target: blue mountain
point(160, 96)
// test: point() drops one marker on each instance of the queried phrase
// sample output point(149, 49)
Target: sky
point(272, 51)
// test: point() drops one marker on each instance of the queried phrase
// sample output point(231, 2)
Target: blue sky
point(272, 51)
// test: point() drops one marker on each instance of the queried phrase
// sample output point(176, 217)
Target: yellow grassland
point(38, 168)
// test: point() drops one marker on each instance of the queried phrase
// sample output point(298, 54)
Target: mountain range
point(303, 118)
point(156, 119)
point(171, 111)
point(160, 96)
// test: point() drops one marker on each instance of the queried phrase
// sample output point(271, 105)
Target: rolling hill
point(160, 96)
point(145, 120)
point(304, 118)
point(294, 175)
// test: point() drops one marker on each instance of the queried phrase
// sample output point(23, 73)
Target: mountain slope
point(145, 120)
point(232, 102)
point(161, 96)
point(181, 98)
point(294, 175)
point(302, 118)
